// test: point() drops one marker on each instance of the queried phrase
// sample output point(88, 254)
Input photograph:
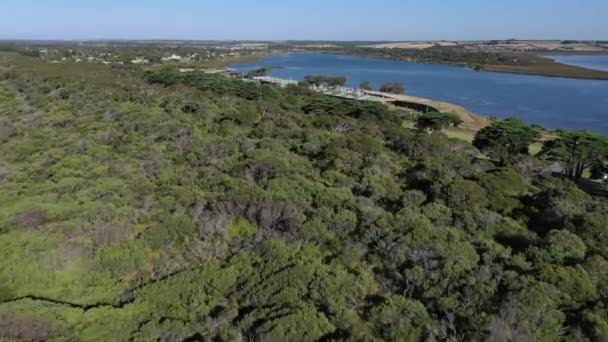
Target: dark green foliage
point(400, 319)
point(530, 312)
point(216, 83)
point(263, 71)
point(506, 139)
point(365, 85)
point(578, 151)
point(596, 319)
point(393, 88)
point(465, 194)
point(505, 189)
point(599, 170)
point(189, 206)
point(437, 121)
point(320, 80)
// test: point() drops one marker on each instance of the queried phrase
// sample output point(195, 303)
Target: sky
point(304, 19)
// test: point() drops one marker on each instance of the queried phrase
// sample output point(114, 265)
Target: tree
point(578, 150)
point(530, 314)
point(365, 85)
point(393, 88)
point(318, 80)
point(463, 194)
point(399, 318)
point(563, 245)
point(437, 121)
point(506, 139)
point(263, 71)
point(4, 73)
point(599, 170)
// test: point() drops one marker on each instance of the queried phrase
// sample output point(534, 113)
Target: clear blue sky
point(304, 19)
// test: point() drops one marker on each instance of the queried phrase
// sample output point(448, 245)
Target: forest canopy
point(166, 205)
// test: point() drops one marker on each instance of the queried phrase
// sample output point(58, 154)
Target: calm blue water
point(548, 101)
point(597, 62)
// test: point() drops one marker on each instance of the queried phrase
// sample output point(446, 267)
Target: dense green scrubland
point(168, 206)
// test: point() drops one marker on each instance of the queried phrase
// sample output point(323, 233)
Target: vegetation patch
point(168, 205)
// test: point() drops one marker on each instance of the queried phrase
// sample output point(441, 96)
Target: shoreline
point(540, 74)
point(470, 121)
point(567, 71)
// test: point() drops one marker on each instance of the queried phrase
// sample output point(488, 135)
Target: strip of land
point(550, 69)
point(520, 57)
point(470, 121)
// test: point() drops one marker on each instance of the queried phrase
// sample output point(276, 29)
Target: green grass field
point(459, 133)
point(456, 133)
point(468, 135)
point(535, 148)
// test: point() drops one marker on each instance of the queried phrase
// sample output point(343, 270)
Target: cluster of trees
point(436, 122)
point(320, 80)
point(576, 151)
point(187, 206)
point(365, 85)
point(263, 71)
point(442, 54)
point(393, 88)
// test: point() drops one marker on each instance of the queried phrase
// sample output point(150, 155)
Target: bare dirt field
point(500, 45)
point(317, 46)
point(411, 45)
point(535, 45)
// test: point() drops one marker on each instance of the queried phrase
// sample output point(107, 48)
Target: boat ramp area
point(470, 121)
point(344, 92)
point(274, 80)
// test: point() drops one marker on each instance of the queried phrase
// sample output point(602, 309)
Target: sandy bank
point(470, 121)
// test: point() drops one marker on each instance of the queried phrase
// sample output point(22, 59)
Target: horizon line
point(281, 40)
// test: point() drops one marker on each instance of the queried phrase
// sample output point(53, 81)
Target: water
point(547, 101)
point(597, 62)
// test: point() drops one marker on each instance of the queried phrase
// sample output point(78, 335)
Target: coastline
point(223, 63)
point(565, 71)
point(470, 121)
point(548, 67)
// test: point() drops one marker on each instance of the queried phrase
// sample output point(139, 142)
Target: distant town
point(513, 56)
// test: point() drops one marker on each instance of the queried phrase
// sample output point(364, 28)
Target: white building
point(172, 58)
point(140, 60)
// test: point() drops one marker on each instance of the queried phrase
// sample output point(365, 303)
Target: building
point(140, 60)
point(272, 80)
point(172, 58)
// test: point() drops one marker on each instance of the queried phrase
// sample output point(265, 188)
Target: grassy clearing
point(535, 148)
point(409, 124)
point(469, 136)
point(452, 132)
point(459, 133)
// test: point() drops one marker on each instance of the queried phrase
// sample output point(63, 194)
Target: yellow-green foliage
point(241, 228)
point(185, 206)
